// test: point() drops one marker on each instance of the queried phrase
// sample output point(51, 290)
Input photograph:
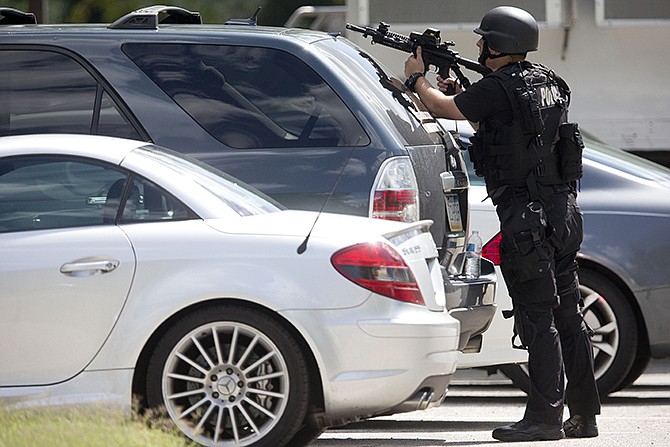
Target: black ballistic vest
point(523, 153)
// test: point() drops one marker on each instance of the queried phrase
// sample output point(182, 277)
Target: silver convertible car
point(126, 269)
point(624, 266)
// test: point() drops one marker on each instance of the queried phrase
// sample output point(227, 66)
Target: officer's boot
point(544, 409)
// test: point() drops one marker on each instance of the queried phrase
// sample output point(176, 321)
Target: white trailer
point(613, 53)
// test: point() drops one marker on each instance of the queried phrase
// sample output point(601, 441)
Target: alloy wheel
point(225, 383)
point(600, 317)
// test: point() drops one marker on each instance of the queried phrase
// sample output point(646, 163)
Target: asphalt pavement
point(638, 416)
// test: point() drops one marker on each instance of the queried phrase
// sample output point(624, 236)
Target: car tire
point(607, 311)
point(615, 342)
point(230, 376)
point(640, 365)
point(305, 435)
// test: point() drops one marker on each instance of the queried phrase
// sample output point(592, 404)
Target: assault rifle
point(435, 53)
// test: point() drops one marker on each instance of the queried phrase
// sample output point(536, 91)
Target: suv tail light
point(491, 249)
point(379, 268)
point(395, 193)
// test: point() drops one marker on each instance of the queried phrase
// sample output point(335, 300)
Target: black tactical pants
point(538, 252)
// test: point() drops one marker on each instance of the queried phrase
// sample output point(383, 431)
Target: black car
point(306, 117)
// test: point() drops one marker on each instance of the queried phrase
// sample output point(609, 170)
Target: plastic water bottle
point(473, 256)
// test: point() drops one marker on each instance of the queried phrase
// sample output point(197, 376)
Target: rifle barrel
point(358, 29)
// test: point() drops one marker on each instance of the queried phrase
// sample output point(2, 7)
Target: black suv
point(306, 117)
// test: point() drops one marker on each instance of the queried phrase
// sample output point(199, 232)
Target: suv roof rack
point(253, 20)
point(147, 18)
point(11, 16)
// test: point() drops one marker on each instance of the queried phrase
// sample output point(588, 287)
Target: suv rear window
point(250, 97)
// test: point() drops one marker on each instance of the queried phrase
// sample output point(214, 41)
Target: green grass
point(68, 427)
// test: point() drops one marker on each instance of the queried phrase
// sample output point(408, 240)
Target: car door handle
point(101, 265)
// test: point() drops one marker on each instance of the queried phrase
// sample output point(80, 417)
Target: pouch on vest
point(569, 149)
point(529, 111)
point(477, 154)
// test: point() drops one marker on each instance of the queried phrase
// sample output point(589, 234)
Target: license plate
point(454, 212)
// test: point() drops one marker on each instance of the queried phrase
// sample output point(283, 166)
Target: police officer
point(530, 158)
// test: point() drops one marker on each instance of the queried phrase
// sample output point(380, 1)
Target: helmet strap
point(486, 54)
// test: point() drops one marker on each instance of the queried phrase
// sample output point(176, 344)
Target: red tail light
point(379, 268)
point(397, 205)
point(395, 192)
point(491, 249)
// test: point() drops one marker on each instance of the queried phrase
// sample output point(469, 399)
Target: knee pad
point(569, 293)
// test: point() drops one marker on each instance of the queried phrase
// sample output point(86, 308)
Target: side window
point(250, 97)
point(49, 92)
point(111, 122)
point(146, 202)
point(41, 192)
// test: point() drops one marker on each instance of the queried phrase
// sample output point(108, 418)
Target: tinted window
point(146, 202)
point(250, 97)
point(56, 192)
point(372, 80)
point(111, 122)
point(48, 92)
point(41, 192)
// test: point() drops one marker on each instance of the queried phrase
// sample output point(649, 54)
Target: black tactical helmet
point(509, 30)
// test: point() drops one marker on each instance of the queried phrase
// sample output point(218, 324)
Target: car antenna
point(303, 246)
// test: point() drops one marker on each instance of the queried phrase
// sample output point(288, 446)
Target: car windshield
point(239, 196)
point(623, 161)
